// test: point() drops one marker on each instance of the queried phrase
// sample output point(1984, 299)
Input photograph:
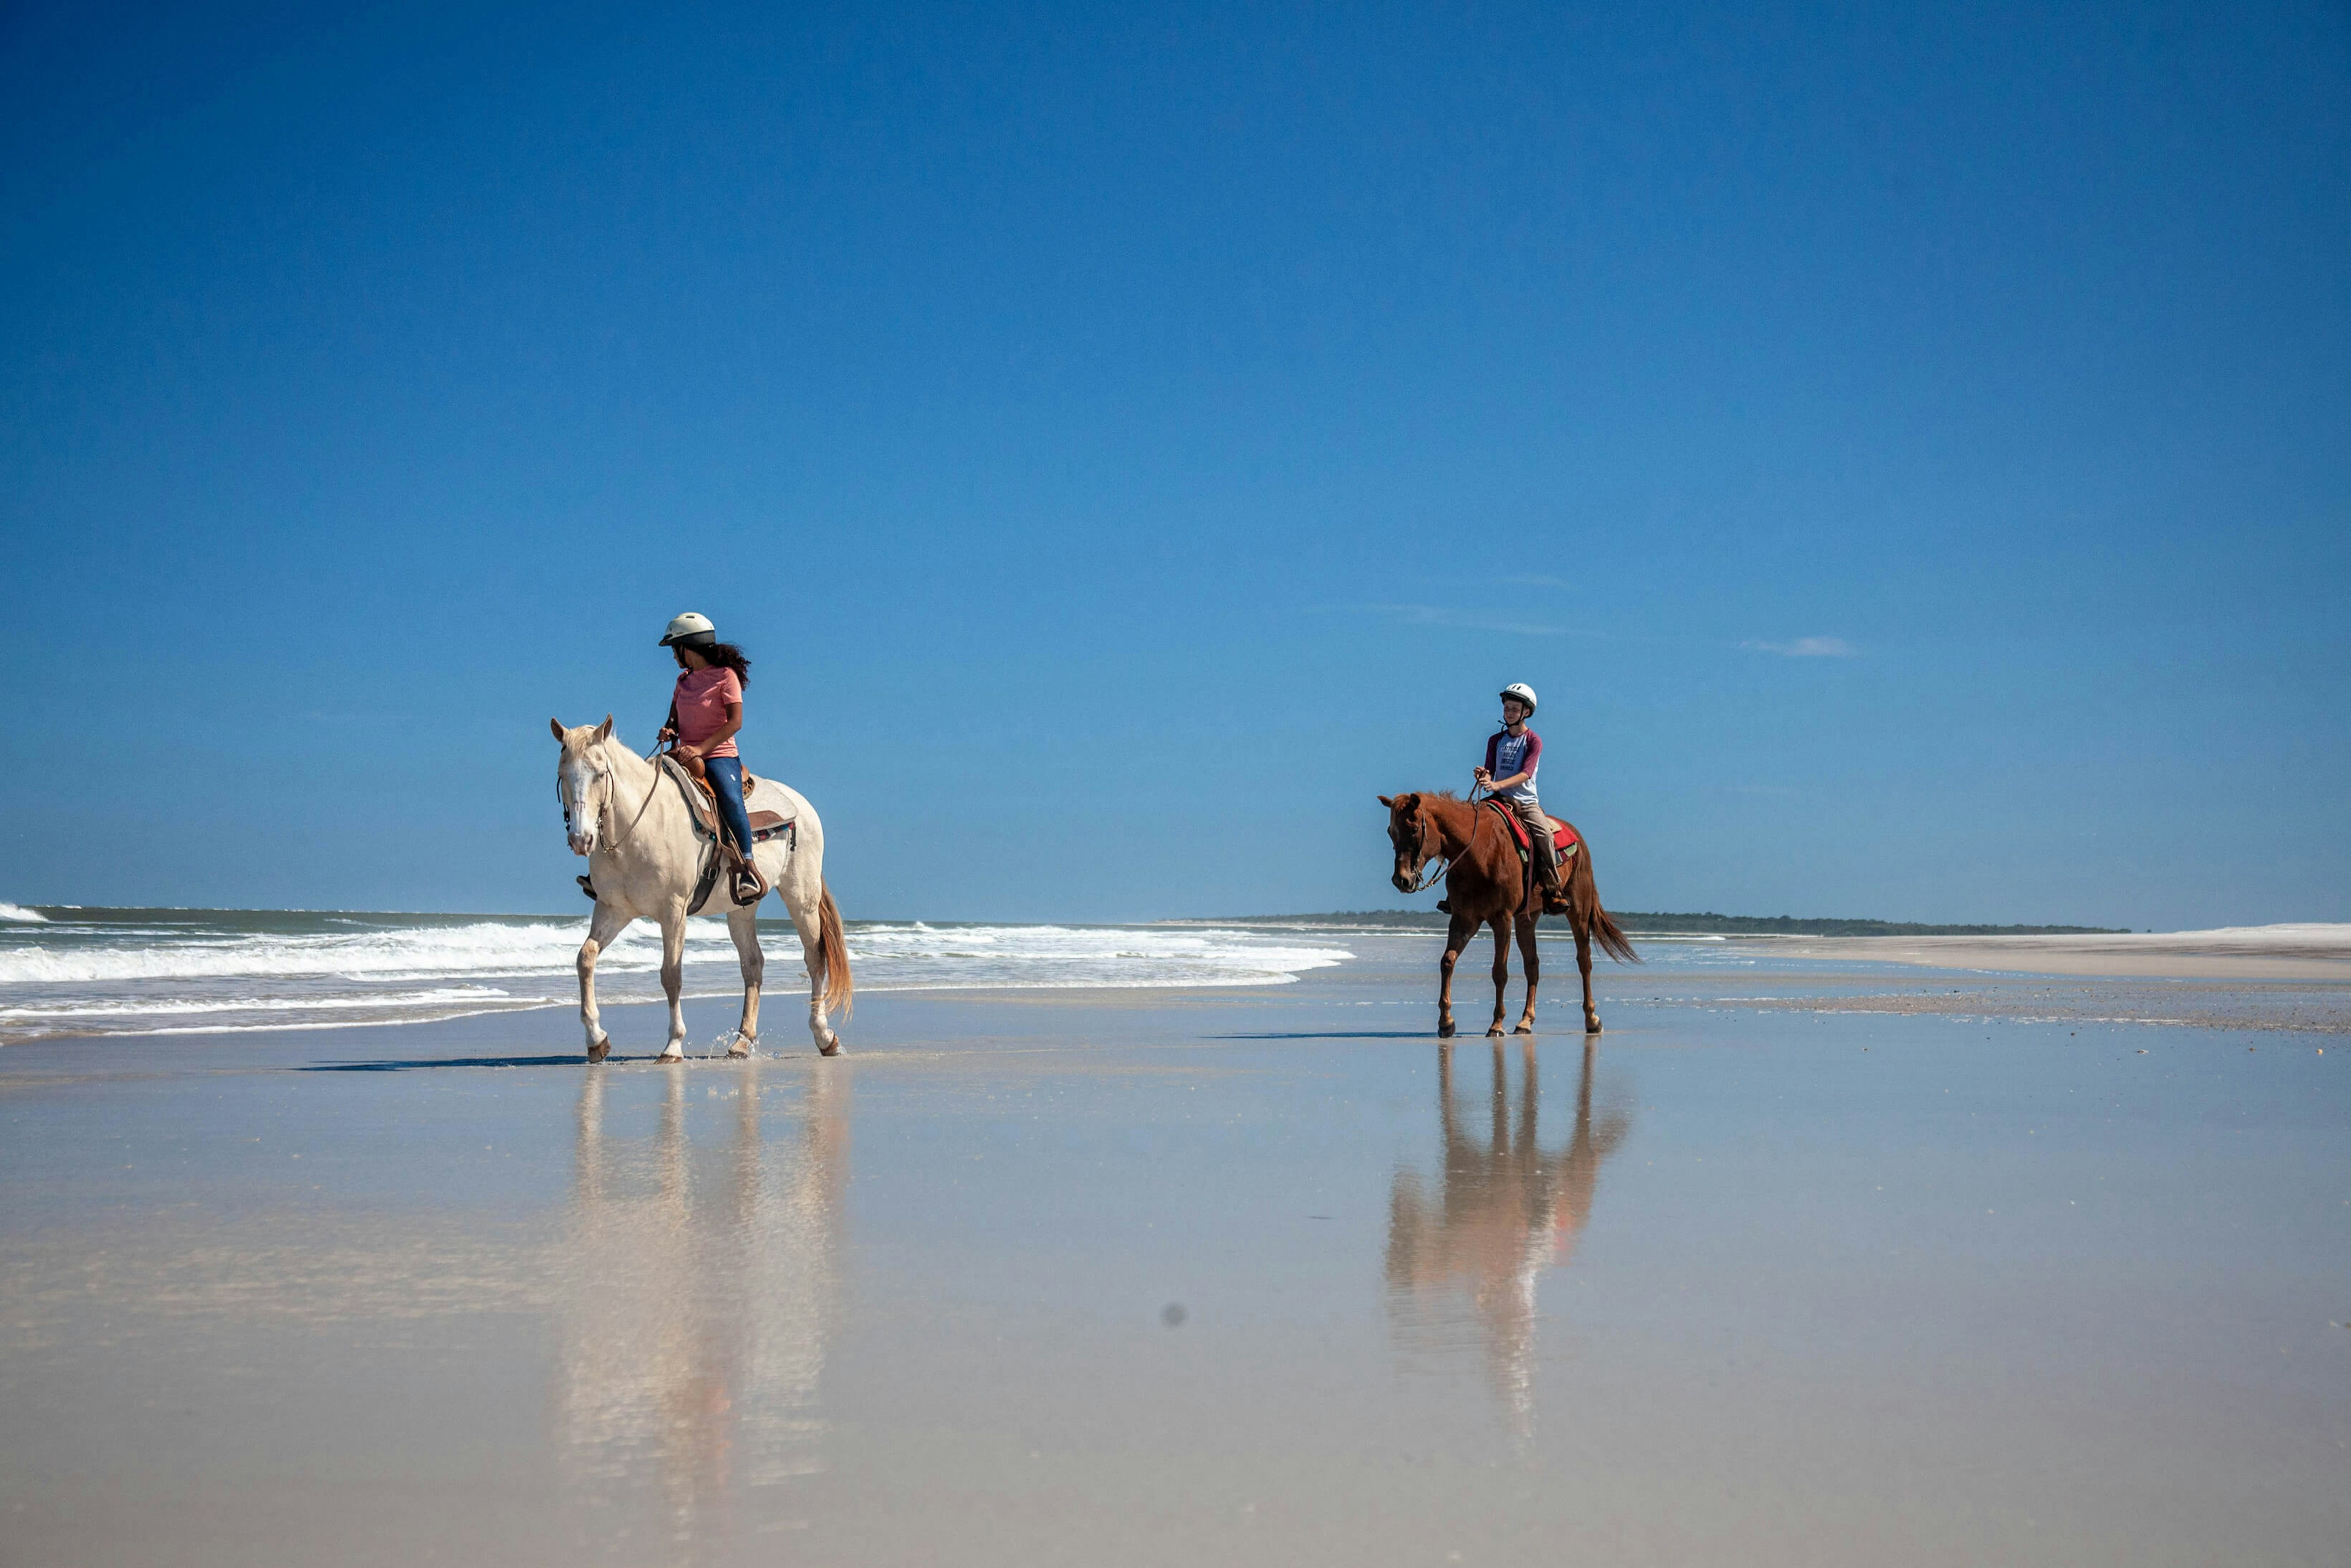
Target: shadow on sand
point(576, 1058)
point(1338, 1034)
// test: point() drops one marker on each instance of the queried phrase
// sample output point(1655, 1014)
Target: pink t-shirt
point(702, 697)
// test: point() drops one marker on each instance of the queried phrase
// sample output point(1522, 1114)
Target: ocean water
point(152, 971)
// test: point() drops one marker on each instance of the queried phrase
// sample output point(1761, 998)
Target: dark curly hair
point(725, 656)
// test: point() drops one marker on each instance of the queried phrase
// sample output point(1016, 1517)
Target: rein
point(1443, 863)
point(604, 813)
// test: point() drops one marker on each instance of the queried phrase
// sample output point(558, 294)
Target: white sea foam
point(231, 973)
point(21, 915)
point(489, 948)
point(167, 1007)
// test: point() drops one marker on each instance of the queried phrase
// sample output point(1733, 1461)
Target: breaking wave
point(223, 971)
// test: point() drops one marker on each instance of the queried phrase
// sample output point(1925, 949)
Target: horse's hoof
point(1495, 1032)
point(674, 1053)
point(737, 1053)
point(1445, 1032)
point(830, 1048)
point(1523, 1028)
point(1591, 1025)
point(599, 1051)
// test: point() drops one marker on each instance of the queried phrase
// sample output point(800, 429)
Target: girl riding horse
point(705, 712)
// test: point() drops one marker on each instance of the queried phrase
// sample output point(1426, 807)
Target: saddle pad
point(1563, 840)
point(771, 808)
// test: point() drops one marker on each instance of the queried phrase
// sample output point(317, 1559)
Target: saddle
point(702, 809)
point(1563, 840)
point(702, 804)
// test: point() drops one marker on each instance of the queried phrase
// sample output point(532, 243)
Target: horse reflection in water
point(698, 1288)
point(1505, 1208)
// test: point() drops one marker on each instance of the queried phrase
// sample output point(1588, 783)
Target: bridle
point(1422, 880)
point(603, 774)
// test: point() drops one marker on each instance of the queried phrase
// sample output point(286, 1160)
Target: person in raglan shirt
point(1511, 759)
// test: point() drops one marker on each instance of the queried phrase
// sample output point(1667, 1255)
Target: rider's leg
point(727, 784)
point(1546, 854)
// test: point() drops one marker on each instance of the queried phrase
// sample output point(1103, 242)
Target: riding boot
point(746, 885)
point(1554, 890)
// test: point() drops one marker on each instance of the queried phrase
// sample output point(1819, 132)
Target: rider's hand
point(685, 753)
point(1485, 779)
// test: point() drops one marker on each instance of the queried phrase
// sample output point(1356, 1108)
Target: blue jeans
point(725, 775)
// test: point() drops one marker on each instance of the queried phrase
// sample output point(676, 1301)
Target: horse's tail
point(1610, 935)
point(840, 985)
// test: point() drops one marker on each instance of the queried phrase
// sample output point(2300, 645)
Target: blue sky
point(1906, 448)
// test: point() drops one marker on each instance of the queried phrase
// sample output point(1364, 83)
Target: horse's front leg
point(1502, 969)
point(1456, 937)
point(603, 927)
point(1534, 972)
point(673, 977)
point(743, 924)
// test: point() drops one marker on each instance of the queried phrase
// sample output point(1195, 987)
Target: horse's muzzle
point(580, 844)
point(1403, 882)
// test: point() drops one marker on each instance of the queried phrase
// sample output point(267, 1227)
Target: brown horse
point(1487, 884)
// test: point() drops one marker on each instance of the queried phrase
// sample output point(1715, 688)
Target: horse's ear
point(556, 726)
point(604, 730)
point(1388, 804)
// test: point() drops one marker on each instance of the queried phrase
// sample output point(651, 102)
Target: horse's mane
point(1441, 795)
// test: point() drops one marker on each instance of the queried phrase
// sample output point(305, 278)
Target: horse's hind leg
point(1584, 904)
point(809, 923)
point(1456, 937)
point(1534, 971)
point(743, 924)
point(672, 979)
point(1583, 963)
point(1502, 969)
point(604, 928)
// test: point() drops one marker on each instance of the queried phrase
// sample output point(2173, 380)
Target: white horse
point(625, 814)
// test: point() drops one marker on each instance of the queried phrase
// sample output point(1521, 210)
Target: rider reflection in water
point(1504, 1208)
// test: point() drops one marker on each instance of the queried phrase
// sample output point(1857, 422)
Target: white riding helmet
point(691, 630)
point(1522, 691)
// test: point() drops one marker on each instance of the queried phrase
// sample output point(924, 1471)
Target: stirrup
point(586, 886)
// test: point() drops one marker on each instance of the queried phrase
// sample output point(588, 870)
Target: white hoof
point(676, 1053)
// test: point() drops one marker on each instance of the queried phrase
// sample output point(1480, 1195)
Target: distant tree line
point(1703, 924)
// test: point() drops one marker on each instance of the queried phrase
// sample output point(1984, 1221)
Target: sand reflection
point(699, 1284)
point(1464, 1260)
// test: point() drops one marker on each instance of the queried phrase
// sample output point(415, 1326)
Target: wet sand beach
point(2299, 952)
point(1810, 1260)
